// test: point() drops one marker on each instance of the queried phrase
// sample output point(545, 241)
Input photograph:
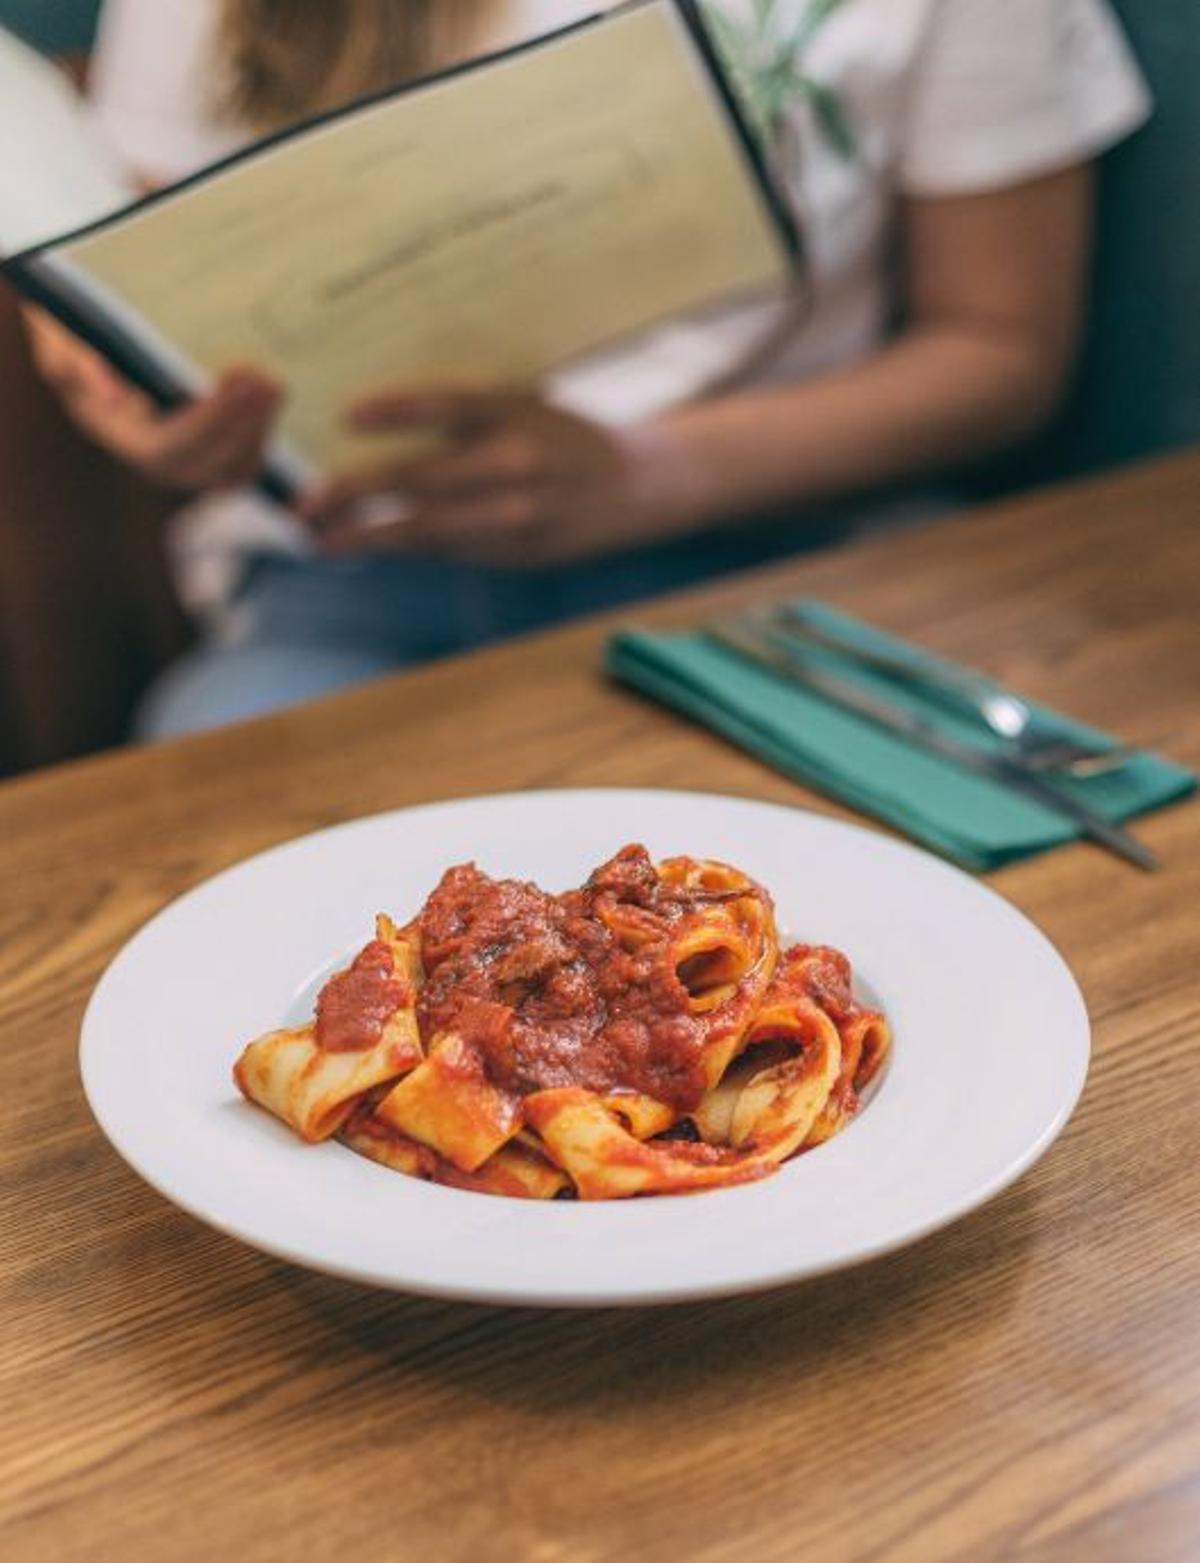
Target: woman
point(938, 152)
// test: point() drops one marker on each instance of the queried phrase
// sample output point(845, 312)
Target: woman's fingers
point(458, 410)
point(76, 371)
point(108, 409)
point(504, 461)
point(495, 528)
point(498, 522)
point(330, 507)
point(511, 467)
point(91, 380)
point(216, 441)
point(509, 458)
point(495, 441)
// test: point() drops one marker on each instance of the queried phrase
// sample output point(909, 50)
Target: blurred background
point(87, 615)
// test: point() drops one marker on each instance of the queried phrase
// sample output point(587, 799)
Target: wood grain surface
point(1023, 1386)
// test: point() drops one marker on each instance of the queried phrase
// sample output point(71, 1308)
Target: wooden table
point(1023, 1386)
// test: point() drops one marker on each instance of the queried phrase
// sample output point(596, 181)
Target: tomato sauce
point(821, 974)
point(354, 1006)
point(571, 990)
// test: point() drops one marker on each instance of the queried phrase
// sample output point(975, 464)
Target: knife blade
point(782, 657)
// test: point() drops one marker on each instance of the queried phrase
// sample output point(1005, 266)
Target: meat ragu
point(639, 1034)
point(579, 989)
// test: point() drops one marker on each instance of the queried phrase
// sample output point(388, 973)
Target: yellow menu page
point(484, 228)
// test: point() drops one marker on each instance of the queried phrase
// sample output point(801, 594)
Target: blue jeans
point(300, 628)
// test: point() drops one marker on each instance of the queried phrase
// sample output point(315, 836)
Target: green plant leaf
point(767, 69)
point(732, 44)
point(814, 18)
point(730, 36)
point(832, 118)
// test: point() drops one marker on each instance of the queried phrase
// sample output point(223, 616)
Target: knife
point(780, 656)
point(1003, 713)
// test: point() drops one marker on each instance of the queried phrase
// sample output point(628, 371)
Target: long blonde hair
point(284, 59)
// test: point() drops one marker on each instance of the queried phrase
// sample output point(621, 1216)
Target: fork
point(1012, 720)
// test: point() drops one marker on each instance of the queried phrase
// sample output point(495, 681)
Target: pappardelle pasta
point(643, 1034)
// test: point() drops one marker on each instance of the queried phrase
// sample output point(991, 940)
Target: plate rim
point(94, 1087)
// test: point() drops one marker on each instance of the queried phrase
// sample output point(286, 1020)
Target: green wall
point(56, 25)
point(1140, 386)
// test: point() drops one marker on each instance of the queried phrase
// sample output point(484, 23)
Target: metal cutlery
point(758, 643)
point(1002, 712)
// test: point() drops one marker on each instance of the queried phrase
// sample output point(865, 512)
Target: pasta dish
point(643, 1034)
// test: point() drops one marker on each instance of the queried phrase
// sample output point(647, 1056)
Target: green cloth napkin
point(978, 822)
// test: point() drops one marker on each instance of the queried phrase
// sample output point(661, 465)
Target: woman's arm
point(994, 288)
point(993, 298)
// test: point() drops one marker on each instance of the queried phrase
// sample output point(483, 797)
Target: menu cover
point(486, 225)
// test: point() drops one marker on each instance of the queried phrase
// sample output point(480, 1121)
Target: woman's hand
point(214, 442)
point(519, 484)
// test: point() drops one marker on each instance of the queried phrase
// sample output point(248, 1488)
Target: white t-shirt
point(897, 98)
point(57, 188)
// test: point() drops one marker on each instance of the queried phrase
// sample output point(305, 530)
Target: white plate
point(990, 1055)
